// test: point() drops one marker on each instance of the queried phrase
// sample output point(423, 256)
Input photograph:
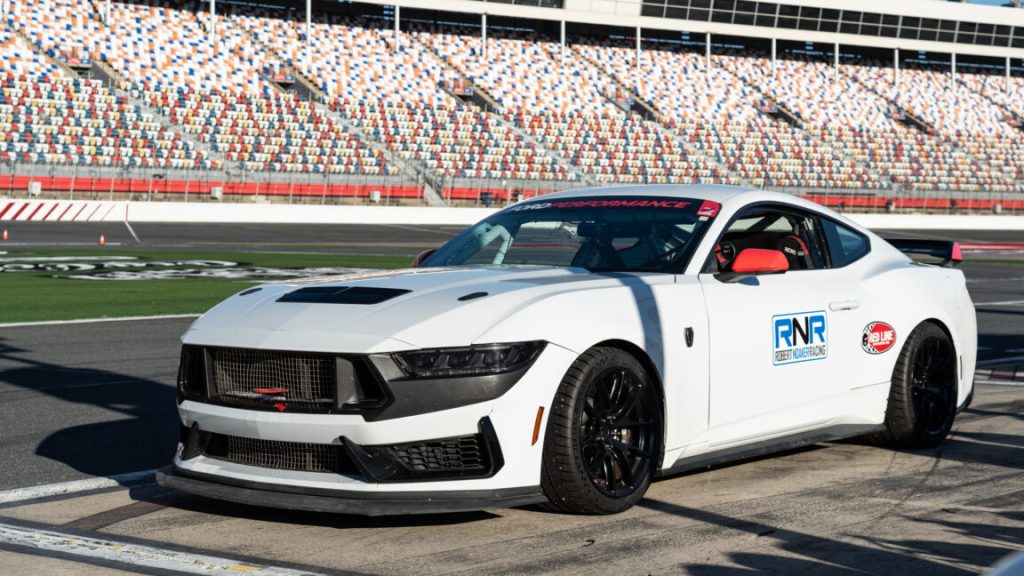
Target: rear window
point(845, 245)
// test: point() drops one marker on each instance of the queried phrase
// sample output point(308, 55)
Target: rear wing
point(946, 250)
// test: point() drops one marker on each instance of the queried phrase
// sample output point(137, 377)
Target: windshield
point(605, 233)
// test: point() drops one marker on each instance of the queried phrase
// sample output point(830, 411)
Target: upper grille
point(462, 454)
point(292, 381)
point(279, 455)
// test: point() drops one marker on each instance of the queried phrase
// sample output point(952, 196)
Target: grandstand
point(910, 103)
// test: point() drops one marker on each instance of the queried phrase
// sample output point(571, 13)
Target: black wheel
point(922, 401)
point(603, 440)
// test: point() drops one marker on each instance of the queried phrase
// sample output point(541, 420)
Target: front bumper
point(502, 426)
point(345, 501)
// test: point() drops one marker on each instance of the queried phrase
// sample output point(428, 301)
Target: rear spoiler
point(946, 250)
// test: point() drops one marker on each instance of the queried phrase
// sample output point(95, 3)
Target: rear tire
point(922, 399)
point(604, 435)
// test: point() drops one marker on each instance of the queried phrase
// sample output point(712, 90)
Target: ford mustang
point(568, 350)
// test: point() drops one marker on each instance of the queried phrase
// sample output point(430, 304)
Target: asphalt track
point(96, 399)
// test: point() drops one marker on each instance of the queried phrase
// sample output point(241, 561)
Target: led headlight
point(478, 360)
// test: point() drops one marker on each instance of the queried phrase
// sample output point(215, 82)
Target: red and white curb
point(61, 211)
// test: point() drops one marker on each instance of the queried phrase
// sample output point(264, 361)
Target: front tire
point(922, 400)
point(604, 435)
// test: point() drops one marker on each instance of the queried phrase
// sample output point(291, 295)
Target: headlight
point(481, 359)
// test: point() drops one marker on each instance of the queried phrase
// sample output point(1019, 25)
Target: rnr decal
point(799, 337)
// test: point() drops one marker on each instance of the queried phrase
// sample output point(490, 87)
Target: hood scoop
point(341, 295)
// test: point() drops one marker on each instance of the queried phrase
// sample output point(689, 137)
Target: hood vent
point(341, 295)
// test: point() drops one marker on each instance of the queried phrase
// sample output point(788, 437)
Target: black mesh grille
point(279, 455)
point(464, 453)
point(293, 381)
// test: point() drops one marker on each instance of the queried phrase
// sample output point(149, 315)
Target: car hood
point(397, 310)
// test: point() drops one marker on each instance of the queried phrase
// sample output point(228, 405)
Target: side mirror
point(418, 260)
point(760, 261)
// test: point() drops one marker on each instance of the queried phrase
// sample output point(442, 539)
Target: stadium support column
point(309, 20)
point(1006, 85)
point(398, 22)
point(213, 21)
point(835, 61)
point(952, 70)
point(707, 55)
point(896, 66)
point(561, 54)
point(638, 47)
point(773, 57)
point(483, 34)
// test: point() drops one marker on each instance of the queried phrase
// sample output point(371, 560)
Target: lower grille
point(298, 456)
point(298, 382)
point(463, 454)
point(476, 456)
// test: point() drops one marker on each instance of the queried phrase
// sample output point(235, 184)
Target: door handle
point(843, 305)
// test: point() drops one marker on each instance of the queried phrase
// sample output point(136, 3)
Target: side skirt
point(765, 447)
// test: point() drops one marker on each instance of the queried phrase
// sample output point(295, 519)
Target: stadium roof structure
point(912, 25)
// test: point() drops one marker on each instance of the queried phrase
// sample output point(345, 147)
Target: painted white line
point(991, 280)
point(1001, 303)
point(1000, 383)
point(135, 554)
point(134, 235)
point(91, 320)
point(1000, 361)
point(47, 490)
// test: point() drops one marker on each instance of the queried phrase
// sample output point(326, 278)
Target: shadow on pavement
point(141, 433)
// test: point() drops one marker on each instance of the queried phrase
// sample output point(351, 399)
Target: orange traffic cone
point(103, 241)
point(5, 235)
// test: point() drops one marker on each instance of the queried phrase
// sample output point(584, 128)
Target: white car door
point(775, 363)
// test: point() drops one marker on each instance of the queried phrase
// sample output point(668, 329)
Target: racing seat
point(796, 252)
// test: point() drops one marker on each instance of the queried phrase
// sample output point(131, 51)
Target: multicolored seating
point(461, 142)
point(76, 122)
point(802, 124)
point(271, 132)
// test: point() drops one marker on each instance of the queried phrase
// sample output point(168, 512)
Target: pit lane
point(95, 400)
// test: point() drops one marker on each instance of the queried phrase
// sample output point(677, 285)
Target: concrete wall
point(84, 211)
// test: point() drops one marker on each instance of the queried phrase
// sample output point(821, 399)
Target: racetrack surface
point(97, 399)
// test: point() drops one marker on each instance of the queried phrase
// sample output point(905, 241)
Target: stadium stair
point(657, 120)
point(569, 166)
point(42, 53)
point(307, 88)
point(430, 180)
point(1018, 120)
point(134, 95)
point(647, 109)
point(480, 91)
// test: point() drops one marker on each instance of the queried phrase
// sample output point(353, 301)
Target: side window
point(844, 245)
point(794, 233)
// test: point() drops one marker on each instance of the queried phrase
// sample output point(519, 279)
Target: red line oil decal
point(271, 391)
point(709, 209)
point(878, 337)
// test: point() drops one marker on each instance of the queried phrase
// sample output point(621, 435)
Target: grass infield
point(38, 295)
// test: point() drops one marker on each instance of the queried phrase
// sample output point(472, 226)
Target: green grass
point(39, 295)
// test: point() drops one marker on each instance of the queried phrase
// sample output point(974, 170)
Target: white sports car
point(569, 350)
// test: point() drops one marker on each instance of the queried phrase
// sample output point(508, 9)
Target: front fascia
point(512, 415)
